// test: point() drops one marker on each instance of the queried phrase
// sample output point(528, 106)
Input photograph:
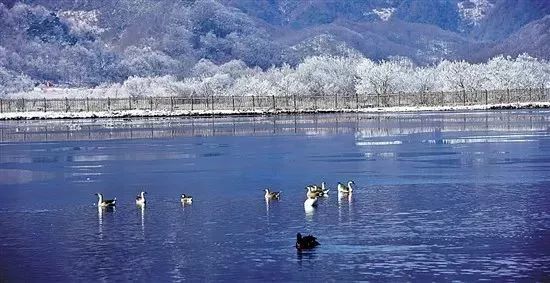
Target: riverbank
point(191, 113)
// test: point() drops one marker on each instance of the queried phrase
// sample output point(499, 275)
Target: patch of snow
point(473, 11)
point(167, 113)
point(83, 21)
point(384, 13)
point(324, 44)
point(439, 47)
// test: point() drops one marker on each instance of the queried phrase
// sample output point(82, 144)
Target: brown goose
point(272, 195)
point(315, 190)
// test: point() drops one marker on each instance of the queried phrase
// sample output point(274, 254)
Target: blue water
point(439, 197)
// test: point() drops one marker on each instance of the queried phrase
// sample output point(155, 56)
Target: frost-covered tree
point(12, 82)
point(461, 76)
point(327, 75)
point(384, 78)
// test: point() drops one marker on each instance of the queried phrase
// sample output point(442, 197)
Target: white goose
point(345, 189)
point(105, 202)
point(140, 199)
point(311, 202)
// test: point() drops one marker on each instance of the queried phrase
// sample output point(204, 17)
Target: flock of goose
point(314, 192)
point(140, 200)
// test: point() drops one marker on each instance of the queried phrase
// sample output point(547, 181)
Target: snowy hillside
point(90, 43)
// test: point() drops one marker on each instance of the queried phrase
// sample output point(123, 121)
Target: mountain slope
point(533, 39)
point(89, 42)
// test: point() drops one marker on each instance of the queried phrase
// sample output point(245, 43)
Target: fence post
point(486, 97)
point(192, 103)
point(24, 106)
point(87, 104)
point(66, 104)
point(233, 102)
point(108, 103)
point(336, 101)
point(253, 103)
point(273, 97)
point(294, 98)
point(464, 97)
point(399, 98)
point(508, 95)
point(315, 103)
point(356, 100)
point(171, 104)
point(212, 102)
point(377, 100)
point(1, 106)
point(529, 94)
point(151, 103)
point(45, 105)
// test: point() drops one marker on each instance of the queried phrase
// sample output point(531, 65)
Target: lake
point(439, 197)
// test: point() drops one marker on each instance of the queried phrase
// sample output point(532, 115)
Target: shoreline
point(36, 115)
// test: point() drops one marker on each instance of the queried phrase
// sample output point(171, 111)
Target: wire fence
point(290, 103)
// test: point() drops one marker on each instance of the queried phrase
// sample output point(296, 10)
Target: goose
point(345, 189)
point(140, 199)
point(186, 199)
point(310, 193)
point(272, 195)
point(105, 202)
point(319, 190)
point(306, 242)
point(311, 202)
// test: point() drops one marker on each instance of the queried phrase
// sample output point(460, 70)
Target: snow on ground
point(474, 11)
point(384, 13)
point(166, 113)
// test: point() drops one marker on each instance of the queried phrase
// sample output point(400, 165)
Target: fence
point(274, 103)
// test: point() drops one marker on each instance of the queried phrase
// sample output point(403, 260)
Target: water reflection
point(185, 204)
point(101, 213)
point(365, 125)
point(309, 212)
point(141, 207)
point(20, 176)
point(343, 199)
point(305, 256)
point(267, 207)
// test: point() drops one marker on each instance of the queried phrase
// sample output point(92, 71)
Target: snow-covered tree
point(386, 77)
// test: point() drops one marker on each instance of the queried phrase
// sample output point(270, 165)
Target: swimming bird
point(272, 195)
point(140, 199)
point(311, 202)
point(186, 199)
point(105, 202)
point(319, 190)
point(316, 192)
point(310, 193)
point(306, 242)
point(345, 189)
